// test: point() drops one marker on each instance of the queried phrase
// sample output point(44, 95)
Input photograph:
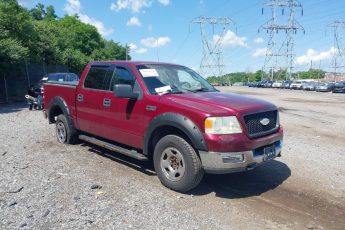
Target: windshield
point(161, 79)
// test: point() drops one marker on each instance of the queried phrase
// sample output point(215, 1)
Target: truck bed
point(64, 90)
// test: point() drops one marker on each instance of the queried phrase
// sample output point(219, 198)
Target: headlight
point(222, 125)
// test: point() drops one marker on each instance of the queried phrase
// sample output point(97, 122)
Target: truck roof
point(129, 62)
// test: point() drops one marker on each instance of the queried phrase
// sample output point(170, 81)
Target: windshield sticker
point(162, 90)
point(149, 72)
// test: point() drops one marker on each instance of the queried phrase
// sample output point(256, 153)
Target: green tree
point(81, 36)
point(12, 51)
point(258, 75)
point(38, 35)
point(38, 12)
point(75, 59)
point(15, 31)
point(50, 13)
point(49, 42)
point(312, 74)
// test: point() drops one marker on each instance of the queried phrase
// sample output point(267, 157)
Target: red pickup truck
point(166, 113)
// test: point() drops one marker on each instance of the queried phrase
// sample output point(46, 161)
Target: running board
point(115, 148)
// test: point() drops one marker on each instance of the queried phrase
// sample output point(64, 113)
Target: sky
point(163, 30)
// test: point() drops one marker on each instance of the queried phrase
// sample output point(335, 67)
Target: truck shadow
point(141, 166)
point(246, 184)
point(264, 178)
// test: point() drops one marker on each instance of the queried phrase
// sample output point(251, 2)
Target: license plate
point(269, 153)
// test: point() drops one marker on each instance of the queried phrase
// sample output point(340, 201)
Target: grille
point(254, 126)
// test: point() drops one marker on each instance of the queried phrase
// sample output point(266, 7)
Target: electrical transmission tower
point(338, 62)
point(212, 43)
point(280, 47)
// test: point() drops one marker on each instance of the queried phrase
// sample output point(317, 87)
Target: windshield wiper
point(202, 89)
point(173, 92)
point(170, 92)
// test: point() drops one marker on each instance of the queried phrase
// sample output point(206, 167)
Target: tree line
point(260, 75)
point(38, 35)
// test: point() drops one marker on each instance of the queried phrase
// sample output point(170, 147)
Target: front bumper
point(223, 162)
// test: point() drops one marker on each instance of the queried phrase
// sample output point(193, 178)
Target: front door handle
point(80, 97)
point(106, 102)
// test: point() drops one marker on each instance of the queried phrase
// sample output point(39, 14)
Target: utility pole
point(212, 57)
point(281, 47)
point(338, 63)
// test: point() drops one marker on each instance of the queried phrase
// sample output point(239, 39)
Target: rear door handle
point(106, 102)
point(80, 97)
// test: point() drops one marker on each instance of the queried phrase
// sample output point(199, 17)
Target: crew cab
point(166, 113)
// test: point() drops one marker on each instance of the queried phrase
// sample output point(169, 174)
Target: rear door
point(92, 97)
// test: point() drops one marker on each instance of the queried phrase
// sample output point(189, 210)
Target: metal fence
point(15, 79)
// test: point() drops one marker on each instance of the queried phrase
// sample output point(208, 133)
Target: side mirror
point(124, 91)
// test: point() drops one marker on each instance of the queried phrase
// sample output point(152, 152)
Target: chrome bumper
point(229, 162)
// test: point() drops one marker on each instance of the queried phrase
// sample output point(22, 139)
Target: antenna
point(212, 57)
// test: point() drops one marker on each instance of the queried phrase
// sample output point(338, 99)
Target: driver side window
point(122, 76)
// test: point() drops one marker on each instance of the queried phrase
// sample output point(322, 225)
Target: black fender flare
point(60, 103)
point(179, 121)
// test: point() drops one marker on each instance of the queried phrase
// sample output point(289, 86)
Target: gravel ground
point(46, 185)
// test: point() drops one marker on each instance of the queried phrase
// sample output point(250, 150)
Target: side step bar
point(115, 148)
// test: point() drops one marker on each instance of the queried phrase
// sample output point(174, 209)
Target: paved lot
point(46, 185)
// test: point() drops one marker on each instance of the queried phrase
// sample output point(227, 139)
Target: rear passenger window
point(98, 77)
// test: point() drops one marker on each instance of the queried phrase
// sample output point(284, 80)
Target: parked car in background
point(261, 84)
point(296, 85)
point(339, 87)
point(265, 84)
point(277, 84)
point(253, 84)
point(61, 77)
point(286, 84)
point(325, 87)
point(268, 84)
point(309, 86)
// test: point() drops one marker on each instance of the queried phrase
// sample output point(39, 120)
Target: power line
point(212, 58)
point(338, 62)
point(278, 49)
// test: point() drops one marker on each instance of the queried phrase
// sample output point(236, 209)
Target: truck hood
point(219, 104)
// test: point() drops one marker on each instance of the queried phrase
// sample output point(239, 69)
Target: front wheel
point(65, 132)
point(176, 163)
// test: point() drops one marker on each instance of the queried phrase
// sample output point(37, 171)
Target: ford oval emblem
point(265, 121)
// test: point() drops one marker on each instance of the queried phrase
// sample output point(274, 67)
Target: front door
point(124, 117)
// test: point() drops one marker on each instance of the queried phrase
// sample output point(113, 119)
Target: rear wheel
point(65, 132)
point(176, 163)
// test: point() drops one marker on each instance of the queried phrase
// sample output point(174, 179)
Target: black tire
point(177, 165)
point(65, 132)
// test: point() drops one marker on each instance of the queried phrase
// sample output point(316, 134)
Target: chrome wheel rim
point(61, 132)
point(172, 164)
